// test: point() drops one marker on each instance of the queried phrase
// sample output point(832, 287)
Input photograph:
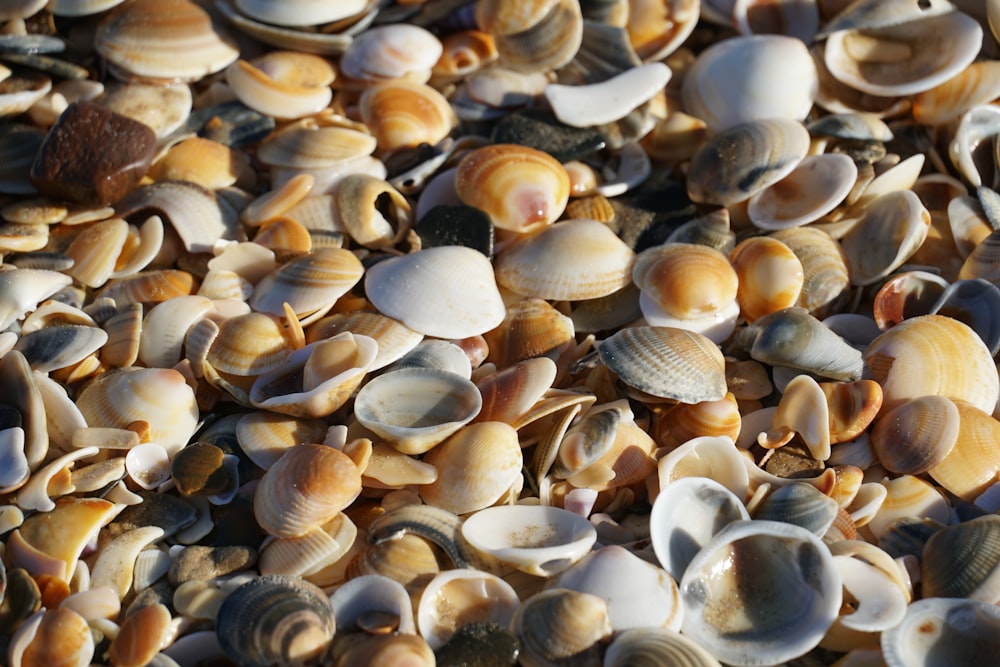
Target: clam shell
point(275, 619)
point(140, 636)
point(731, 82)
point(403, 114)
point(539, 540)
point(250, 344)
point(916, 435)
point(265, 436)
point(972, 464)
point(393, 337)
point(395, 51)
point(647, 647)
point(826, 282)
point(454, 598)
point(476, 467)
point(666, 362)
point(416, 408)
point(797, 593)
point(306, 145)
point(60, 637)
point(309, 553)
point(770, 276)
point(308, 486)
point(521, 188)
point(897, 215)
point(620, 94)
point(709, 282)
point(559, 624)
point(956, 630)
point(915, 358)
point(361, 207)
point(447, 291)
point(283, 84)
point(961, 561)
point(744, 159)
point(601, 263)
point(543, 36)
point(814, 188)
point(173, 40)
point(300, 13)
point(308, 283)
point(532, 328)
point(370, 594)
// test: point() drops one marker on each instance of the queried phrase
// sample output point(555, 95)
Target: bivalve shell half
point(308, 283)
point(685, 280)
point(172, 40)
point(301, 13)
point(893, 227)
point(651, 647)
point(954, 631)
point(916, 435)
point(307, 487)
point(963, 561)
point(760, 593)
point(275, 619)
point(814, 188)
point(571, 260)
point(770, 276)
point(283, 84)
point(454, 598)
point(619, 95)
point(742, 160)
point(521, 188)
point(447, 291)
point(972, 465)
point(403, 114)
point(670, 363)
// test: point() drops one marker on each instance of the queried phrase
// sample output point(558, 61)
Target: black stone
point(647, 215)
point(540, 129)
point(479, 645)
point(457, 225)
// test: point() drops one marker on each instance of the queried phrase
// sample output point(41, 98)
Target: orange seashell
point(140, 637)
point(401, 114)
point(686, 421)
point(519, 187)
point(853, 406)
point(463, 53)
point(203, 161)
point(686, 280)
point(62, 639)
point(149, 287)
point(770, 276)
point(973, 463)
point(531, 328)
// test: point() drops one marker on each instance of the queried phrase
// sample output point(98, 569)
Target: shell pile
point(539, 332)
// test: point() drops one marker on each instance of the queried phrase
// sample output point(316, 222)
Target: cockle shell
point(309, 485)
point(916, 435)
point(521, 188)
point(250, 344)
point(709, 282)
point(559, 625)
point(971, 466)
point(308, 283)
point(961, 561)
point(826, 282)
point(448, 291)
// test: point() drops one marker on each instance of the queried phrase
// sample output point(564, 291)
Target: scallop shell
point(275, 619)
point(666, 362)
point(797, 593)
point(476, 467)
point(593, 262)
point(916, 358)
point(166, 40)
point(744, 159)
point(447, 291)
point(416, 408)
point(521, 188)
point(308, 486)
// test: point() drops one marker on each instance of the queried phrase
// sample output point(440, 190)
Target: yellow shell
point(973, 463)
point(250, 344)
point(521, 188)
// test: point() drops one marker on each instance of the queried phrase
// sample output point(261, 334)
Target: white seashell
point(148, 465)
point(164, 328)
point(638, 594)
point(37, 493)
point(300, 13)
point(978, 124)
point(879, 604)
point(372, 593)
point(93, 603)
point(447, 292)
point(21, 290)
point(540, 540)
point(686, 515)
point(952, 630)
point(150, 566)
point(115, 563)
point(715, 457)
point(733, 81)
point(797, 593)
point(392, 52)
point(454, 598)
point(619, 95)
point(14, 468)
point(814, 188)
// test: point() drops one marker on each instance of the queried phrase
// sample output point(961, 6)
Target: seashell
point(903, 214)
point(463, 53)
point(686, 514)
point(916, 435)
point(972, 464)
point(141, 636)
point(968, 222)
point(813, 189)
point(158, 396)
point(707, 418)
point(607, 259)
point(792, 337)
point(531, 329)
point(173, 41)
point(656, 30)
point(56, 347)
point(408, 559)
point(539, 540)
point(306, 145)
point(308, 486)
point(208, 163)
point(542, 36)
point(561, 625)
point(476, 467)
point(790, 564)
point(826, 285)
point(979, 83)
point(637, 593)
point(164, 108)
point(148, 287)
point(709, 285)
point(393, 337)
point(429, 290)
point(432, 524)
point(250, 344)
point(96, 250)
point(396, 51)
point(621, 94)
point(803, 409)
point(888, 61)
point(878, 605)
point(15, 464)
point(770, 276)
point(275, 619)
point(404, 114)
point(115, 563)
point(908, 365)
point(454, 598)
point(972, 301)
point(308, 283)
point(22, 290)
point(587, 440)
point(164, 327)
point(670, 363)
point(309, 553)
point(744, 159)
point(300, 13)
point(360, 598)
point(374, 213)
point(960, 561)
point(283, 84)
point(51, 542)
point(54, 637)
point(148, 465)
point(317, 379)
point(954, 629)
point(521, 188)
point(907, 294)
point(799, 504)
point(414, 409)
point(731, 82)
point(642, 647)
point(198, 215)
point(852, 407)
point(391, 469)
point(265, 436)
point(381, 650)
point(510, 393)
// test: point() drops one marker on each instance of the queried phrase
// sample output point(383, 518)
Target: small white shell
point(619, 95)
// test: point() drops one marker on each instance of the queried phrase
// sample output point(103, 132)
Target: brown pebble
point(93, 156)
point(198, 563)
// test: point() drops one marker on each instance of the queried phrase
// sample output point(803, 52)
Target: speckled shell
point(308, 486)
point(573, 260)
point(521, 188)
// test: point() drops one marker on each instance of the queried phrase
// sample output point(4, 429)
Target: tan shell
point(826, 282)
point(306, 145)
point(402, 114)
point(682, 422)
point(521, 188)
point(979, 83)
point(284, 84)
point(684, 279)
point(250, 344)
point(308, 283)
point(307, 487)
point(973, 463)
point(533, 36)
point(531, 328)
point(770, 276)
point(476, 467)
point(852, 407)
point(916, 435)
point(571, 260)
